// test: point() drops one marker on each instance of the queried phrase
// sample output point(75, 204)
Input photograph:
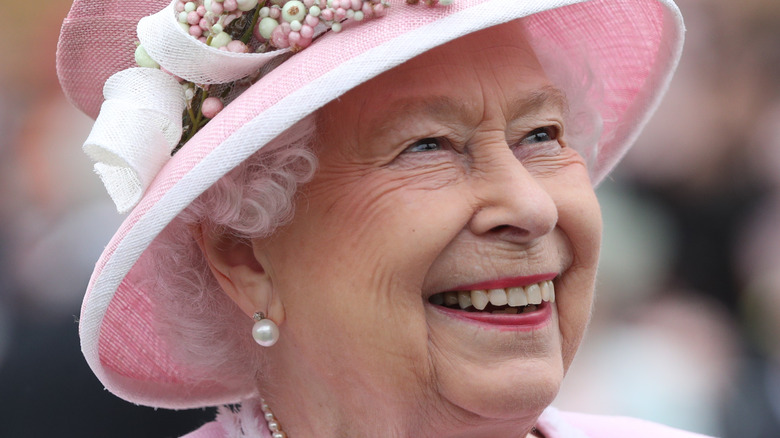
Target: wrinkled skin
point(389, 220)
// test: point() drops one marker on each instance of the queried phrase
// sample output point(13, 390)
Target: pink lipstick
point(511, 303)
point(519, 322)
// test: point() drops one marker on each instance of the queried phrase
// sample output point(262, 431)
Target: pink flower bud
point(237, 46)
point(193, 18)
point(211, 107)
point(279, 38)
point(304, 42)
point(230, 5)
point(307, 31)
point(293, 38)
point(368, 11)
point(216, 8)
point(196, 31)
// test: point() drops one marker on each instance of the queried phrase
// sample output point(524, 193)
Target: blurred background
point(686, 328)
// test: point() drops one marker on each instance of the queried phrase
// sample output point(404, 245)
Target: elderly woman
point(389, 230)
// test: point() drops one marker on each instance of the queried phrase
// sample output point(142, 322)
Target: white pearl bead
point(265, 332)
point(267, 26)
point(293, 10)
point(143, 59)
point(246, 5)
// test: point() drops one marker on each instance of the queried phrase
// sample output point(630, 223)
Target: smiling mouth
point(511, 300)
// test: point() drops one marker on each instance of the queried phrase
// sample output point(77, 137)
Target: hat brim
point(634, 45)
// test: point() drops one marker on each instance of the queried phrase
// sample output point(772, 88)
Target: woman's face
point(448, 173)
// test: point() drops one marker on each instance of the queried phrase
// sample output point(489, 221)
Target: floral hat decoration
point(184, 91)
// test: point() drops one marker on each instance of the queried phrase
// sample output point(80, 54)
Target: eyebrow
point(534, 102)
point(445, 107)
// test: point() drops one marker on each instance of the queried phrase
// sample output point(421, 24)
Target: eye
point(541, 135)
point(426, 145)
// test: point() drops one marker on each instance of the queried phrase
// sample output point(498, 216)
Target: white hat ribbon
point(138, 126)
point(140, 121)
point(181, 54)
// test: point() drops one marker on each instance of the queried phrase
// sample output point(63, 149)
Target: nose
point(512, 204)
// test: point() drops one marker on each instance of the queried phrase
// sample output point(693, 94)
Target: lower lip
point(509, 322)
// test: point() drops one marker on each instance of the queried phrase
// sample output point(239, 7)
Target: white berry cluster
point(244, 26)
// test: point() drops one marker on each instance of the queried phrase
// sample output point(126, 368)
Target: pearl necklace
point(271, 421)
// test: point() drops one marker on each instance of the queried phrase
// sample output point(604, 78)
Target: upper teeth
point(512, 296)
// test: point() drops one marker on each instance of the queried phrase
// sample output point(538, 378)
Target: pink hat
point(633, 48)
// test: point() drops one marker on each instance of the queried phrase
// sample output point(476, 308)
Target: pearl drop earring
point(265, 331)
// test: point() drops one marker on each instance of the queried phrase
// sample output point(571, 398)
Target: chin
point(519, 389)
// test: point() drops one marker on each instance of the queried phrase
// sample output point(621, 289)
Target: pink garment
point(556, 424)
point(552, 423)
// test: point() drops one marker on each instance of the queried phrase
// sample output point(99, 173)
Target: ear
point(242, 277)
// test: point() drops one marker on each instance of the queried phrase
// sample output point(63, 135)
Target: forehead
point(494, 67)
point(505, 45)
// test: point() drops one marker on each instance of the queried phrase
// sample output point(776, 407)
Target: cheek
point(580, 224)
point(365, 247)
point(387, 224)
point(579, 214)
